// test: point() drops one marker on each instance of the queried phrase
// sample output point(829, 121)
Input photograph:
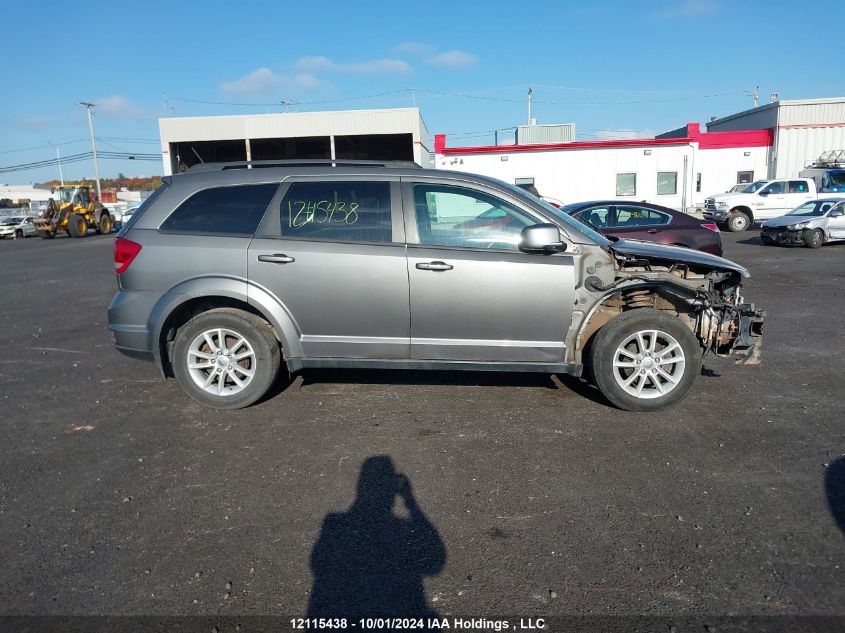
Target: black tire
point(18, 234)
point(628, 324)
point(738, 221)
point(105, 224)
point(813, 238)
point(258, 336)
point(77, 225)
point(766, 239)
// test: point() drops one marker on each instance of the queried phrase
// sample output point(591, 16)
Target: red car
point(649, 222)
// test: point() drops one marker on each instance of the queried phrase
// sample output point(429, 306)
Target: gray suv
point(228, 270)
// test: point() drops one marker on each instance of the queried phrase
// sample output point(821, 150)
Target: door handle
point(652, 231)
point(434, 266)
point(276, 258)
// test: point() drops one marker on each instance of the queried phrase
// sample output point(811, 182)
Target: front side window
point(235, 210)
point(458, 217)
point(667, 183)
point(774, 188)
point(339, 211)
point(626, 184)
point(630, 216)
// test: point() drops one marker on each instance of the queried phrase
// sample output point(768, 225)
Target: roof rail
point(299, 162)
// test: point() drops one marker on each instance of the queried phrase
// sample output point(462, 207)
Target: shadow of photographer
point(369, 561)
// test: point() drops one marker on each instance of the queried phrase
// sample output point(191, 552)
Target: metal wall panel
point(797, 146)
point(539, 134)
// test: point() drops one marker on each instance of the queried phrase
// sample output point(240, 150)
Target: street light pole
point(88, 107)
point(59, 158)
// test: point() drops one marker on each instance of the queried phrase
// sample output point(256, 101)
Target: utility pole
point(88, 107)
point(756, 95)
point(59, 158)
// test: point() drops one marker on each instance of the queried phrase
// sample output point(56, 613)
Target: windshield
point(837, 178)
point(814, 208)
point(754, 186)
point(66, 193)
point(560, 214)
point(12, 220)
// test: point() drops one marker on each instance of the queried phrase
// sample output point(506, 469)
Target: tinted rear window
point(233, 210)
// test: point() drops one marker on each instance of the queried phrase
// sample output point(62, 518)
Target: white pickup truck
point(761, 200)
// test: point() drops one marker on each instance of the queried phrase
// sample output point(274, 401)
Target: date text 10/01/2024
point(396, 624)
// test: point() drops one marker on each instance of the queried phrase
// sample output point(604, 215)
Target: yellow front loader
point(75, 212)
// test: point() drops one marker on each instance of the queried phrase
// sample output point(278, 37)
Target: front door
point(332, 254)
point(474, 295)
point(836, 222)
point(771, 201)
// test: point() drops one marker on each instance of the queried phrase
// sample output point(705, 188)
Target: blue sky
point(616, 69)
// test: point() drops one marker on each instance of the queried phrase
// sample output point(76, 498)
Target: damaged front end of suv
point(701, 290)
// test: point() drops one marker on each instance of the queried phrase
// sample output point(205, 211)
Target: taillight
point(124, 252)
point(711, 226)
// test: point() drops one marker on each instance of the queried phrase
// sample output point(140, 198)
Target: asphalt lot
point(119, 495)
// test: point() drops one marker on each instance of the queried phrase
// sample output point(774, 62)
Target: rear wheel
point(645, 360)
point(226, 358)
point(77, 225)
point(105, 225)
point(813, 238)
point(738, 222)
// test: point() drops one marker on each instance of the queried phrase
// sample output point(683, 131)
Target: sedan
point(649, 222)
point(812, 224)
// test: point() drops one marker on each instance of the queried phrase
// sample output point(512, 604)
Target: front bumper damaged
point(783, 236)
point(745, 347)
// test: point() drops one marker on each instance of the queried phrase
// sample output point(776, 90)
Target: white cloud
point(454, 59)
point(265, 81)
point(119, 108)
point(35, 123)
point(384, 66)
point(622, 135)
point(692, 7)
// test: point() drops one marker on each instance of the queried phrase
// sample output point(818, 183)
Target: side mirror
point(837, 213)
point(763, 193)
point(541, 238)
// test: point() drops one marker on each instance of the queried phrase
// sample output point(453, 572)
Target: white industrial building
point(802, 130)
point(387, 134)
point(677, 170)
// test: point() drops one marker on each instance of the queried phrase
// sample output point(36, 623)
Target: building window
point(698, 182)
point(744, 177)
point(626, 184)
point(667, 183)
point(337, 211)
point(233, 210)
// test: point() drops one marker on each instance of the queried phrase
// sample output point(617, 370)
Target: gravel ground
point(525, 495)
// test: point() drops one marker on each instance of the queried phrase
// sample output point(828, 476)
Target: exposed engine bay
point(701, 290)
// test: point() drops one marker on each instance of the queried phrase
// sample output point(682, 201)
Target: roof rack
point(299, 162)
point(831, 159)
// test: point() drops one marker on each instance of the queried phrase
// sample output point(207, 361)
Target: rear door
point(474, 295)
point(641, 223)
point(331, 251)
point(797, 193)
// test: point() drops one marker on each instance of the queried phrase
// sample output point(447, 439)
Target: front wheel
point(766, 239)
point(738, 222)
point(226, 358)
point(77, 225)
point(813, 238)
point(645, 360)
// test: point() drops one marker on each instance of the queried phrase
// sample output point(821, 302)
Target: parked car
point(16, 226)
point(650, 222)
point(770, 199)
point(225, 272)
point(812, 224)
